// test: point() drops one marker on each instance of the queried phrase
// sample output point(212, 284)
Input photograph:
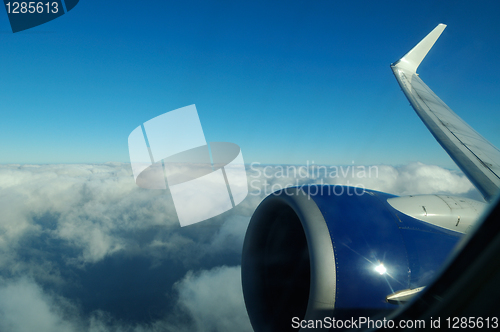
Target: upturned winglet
point(412, 59)
point(474, 155)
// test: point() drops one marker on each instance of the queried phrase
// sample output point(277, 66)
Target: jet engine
point(321, 252)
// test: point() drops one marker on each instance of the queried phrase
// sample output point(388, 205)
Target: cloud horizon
point(82, 248)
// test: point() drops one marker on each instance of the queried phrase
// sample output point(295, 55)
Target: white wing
point(476, 157)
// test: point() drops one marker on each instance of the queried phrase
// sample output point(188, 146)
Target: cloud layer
point(82, 248)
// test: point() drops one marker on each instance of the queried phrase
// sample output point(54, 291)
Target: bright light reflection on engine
point(380, 269)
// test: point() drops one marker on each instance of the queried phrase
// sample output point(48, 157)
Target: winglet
point(412, 59)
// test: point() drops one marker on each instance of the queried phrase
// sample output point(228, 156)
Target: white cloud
point(414, 178)
point(24, 307)
point(97, 211)
point(230, 235)
point(89, 204)
point(418, 178)
point(214, 300)
point(98, 208)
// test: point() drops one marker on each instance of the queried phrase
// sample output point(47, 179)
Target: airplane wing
point(476, 157)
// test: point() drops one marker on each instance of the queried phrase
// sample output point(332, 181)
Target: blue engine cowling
point(332, 251)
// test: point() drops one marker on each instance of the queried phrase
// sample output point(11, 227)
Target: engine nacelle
point(334, 251)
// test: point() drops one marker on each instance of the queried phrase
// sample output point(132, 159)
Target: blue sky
point(288, 81)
